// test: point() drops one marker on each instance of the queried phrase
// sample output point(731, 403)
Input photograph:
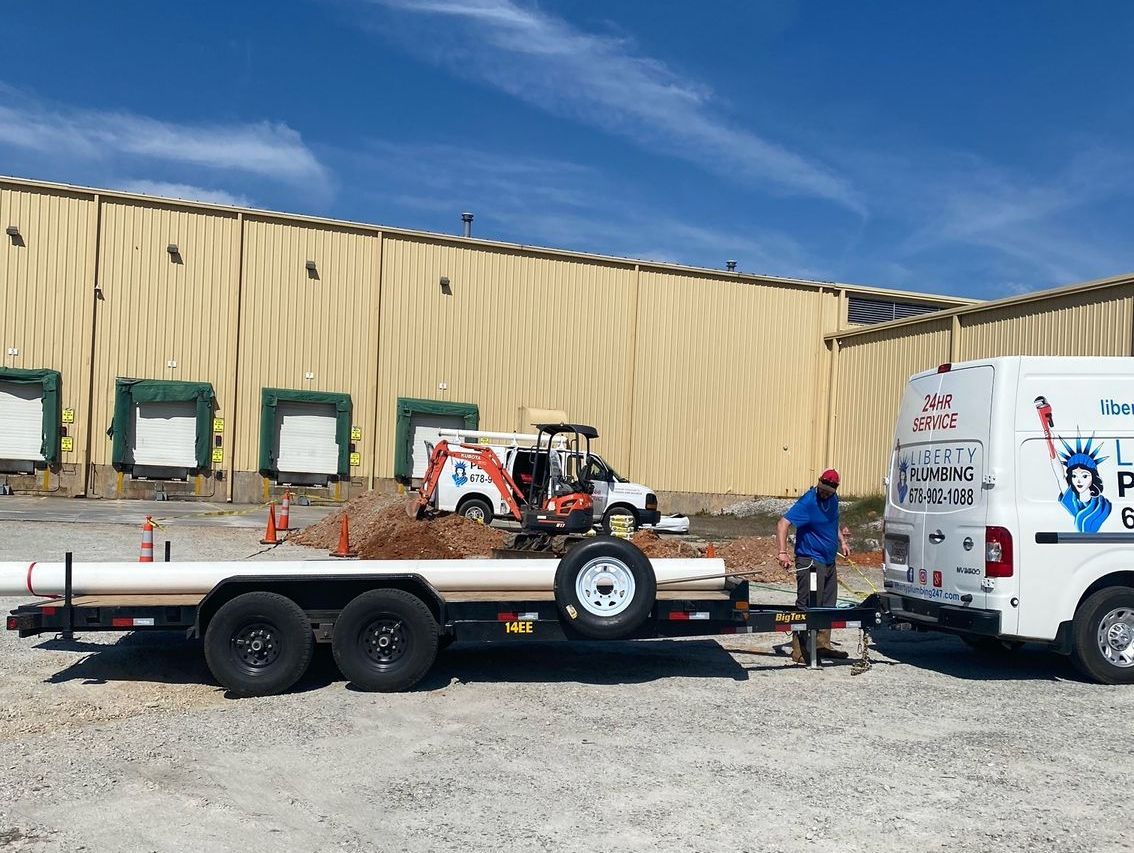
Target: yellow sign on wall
point(218, 424)
point(68, 416)
point(356, 433)
point(355, 460)
point(67, 444)
point(218, 454)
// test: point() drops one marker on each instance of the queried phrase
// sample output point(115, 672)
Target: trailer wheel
point(258, 644)
point(477, 509)
point(1103, 631)
point(605, 588)
point(385, 640)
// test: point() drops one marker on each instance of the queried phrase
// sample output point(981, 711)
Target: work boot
point(797, 654)
point(823, 641)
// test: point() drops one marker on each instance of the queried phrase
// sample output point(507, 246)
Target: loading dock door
point(425, 429)
point(21, 422)
point(306, 439)
point(165, 435)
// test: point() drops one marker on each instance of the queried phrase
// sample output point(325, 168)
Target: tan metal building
point(872, 364)
point(196, 350)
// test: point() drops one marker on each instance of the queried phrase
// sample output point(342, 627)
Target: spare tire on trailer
point(605, 588)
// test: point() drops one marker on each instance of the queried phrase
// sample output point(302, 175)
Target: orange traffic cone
point(710, 552)
point(285, 513)
point(270, 537)
point(344, 549)
point(146, 554)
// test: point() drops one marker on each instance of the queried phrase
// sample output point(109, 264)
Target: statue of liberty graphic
point(1083, 497)
point(903, 478)
point(1078, 467)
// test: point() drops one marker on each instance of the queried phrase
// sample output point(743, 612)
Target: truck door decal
point(1076, 470)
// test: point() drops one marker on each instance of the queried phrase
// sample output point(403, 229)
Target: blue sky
point(972, 148)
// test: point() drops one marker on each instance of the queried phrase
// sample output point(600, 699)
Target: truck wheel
point(258, 644)
point(385, 640)
point(605, 588)
point(991, 645)
point(619, 511)
point(1103, 631)
point(477, 509)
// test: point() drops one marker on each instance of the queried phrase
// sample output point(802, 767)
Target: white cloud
point(603, 81)
point(185, 191)
point(560, 204)
point(262, 149)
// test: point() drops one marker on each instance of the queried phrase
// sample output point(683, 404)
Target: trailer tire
point(385, 640)
point(259, 644)
point(478, 510)
point(1103, 636)
point(605, 589)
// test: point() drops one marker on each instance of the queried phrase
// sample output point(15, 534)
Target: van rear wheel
point(1103, 631)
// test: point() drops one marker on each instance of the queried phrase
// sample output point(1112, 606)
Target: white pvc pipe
point(46, 579)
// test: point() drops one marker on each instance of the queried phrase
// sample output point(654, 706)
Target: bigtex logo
point(790, 617)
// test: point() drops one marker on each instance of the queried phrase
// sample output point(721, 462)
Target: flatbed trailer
point(385, 631)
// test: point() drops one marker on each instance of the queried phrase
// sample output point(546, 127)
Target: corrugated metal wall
point(727, 384)
point(46, 294)
point(872, 373)
point(698, 382)
point(295, 323)
point(159, 310)
point(516, 329)
point(1094, 323)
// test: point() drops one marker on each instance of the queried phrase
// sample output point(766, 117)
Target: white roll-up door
point(425, 429)
point(21, 421)
point(165, 434)
point(306, 438)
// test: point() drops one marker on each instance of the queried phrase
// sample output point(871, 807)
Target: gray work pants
point(827, 588)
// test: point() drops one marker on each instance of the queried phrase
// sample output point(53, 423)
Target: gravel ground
point(121, 742)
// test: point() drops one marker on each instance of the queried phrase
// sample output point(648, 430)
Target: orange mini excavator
point(557, 503)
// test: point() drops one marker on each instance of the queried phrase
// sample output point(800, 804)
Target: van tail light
point(997, 552)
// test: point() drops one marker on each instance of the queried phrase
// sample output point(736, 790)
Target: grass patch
point(862, 511)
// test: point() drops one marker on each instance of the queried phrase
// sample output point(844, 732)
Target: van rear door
point(935, 508)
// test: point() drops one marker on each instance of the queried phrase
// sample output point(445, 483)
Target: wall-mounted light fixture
point(312, 270)
point(174, 253)
point(445, 287)
point(13, 233)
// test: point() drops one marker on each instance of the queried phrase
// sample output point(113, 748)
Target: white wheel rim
point(1116, 637)
point(605, 586)
point(474, 513)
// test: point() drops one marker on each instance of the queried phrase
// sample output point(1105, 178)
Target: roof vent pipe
point(730, 266)
point(467, 218)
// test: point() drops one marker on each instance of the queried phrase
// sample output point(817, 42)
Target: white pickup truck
point(465, 489)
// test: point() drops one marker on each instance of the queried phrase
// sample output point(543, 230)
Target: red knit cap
point(829, 477)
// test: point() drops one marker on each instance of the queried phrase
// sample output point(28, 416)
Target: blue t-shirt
point(816, 526)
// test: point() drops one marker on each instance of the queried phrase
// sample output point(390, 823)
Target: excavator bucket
point(415, 508)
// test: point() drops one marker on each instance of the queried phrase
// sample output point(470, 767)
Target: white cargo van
point(1010, 507)
point(465, 489)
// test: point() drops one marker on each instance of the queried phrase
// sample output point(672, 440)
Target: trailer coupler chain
point(863, 663)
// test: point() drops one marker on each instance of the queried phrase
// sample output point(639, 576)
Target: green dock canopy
point(50, 380)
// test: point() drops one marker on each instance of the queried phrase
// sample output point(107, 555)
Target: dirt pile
point(655, 546)
point(754, 558)
point(381, 530)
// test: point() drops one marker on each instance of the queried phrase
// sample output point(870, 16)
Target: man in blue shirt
point(818, 538)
